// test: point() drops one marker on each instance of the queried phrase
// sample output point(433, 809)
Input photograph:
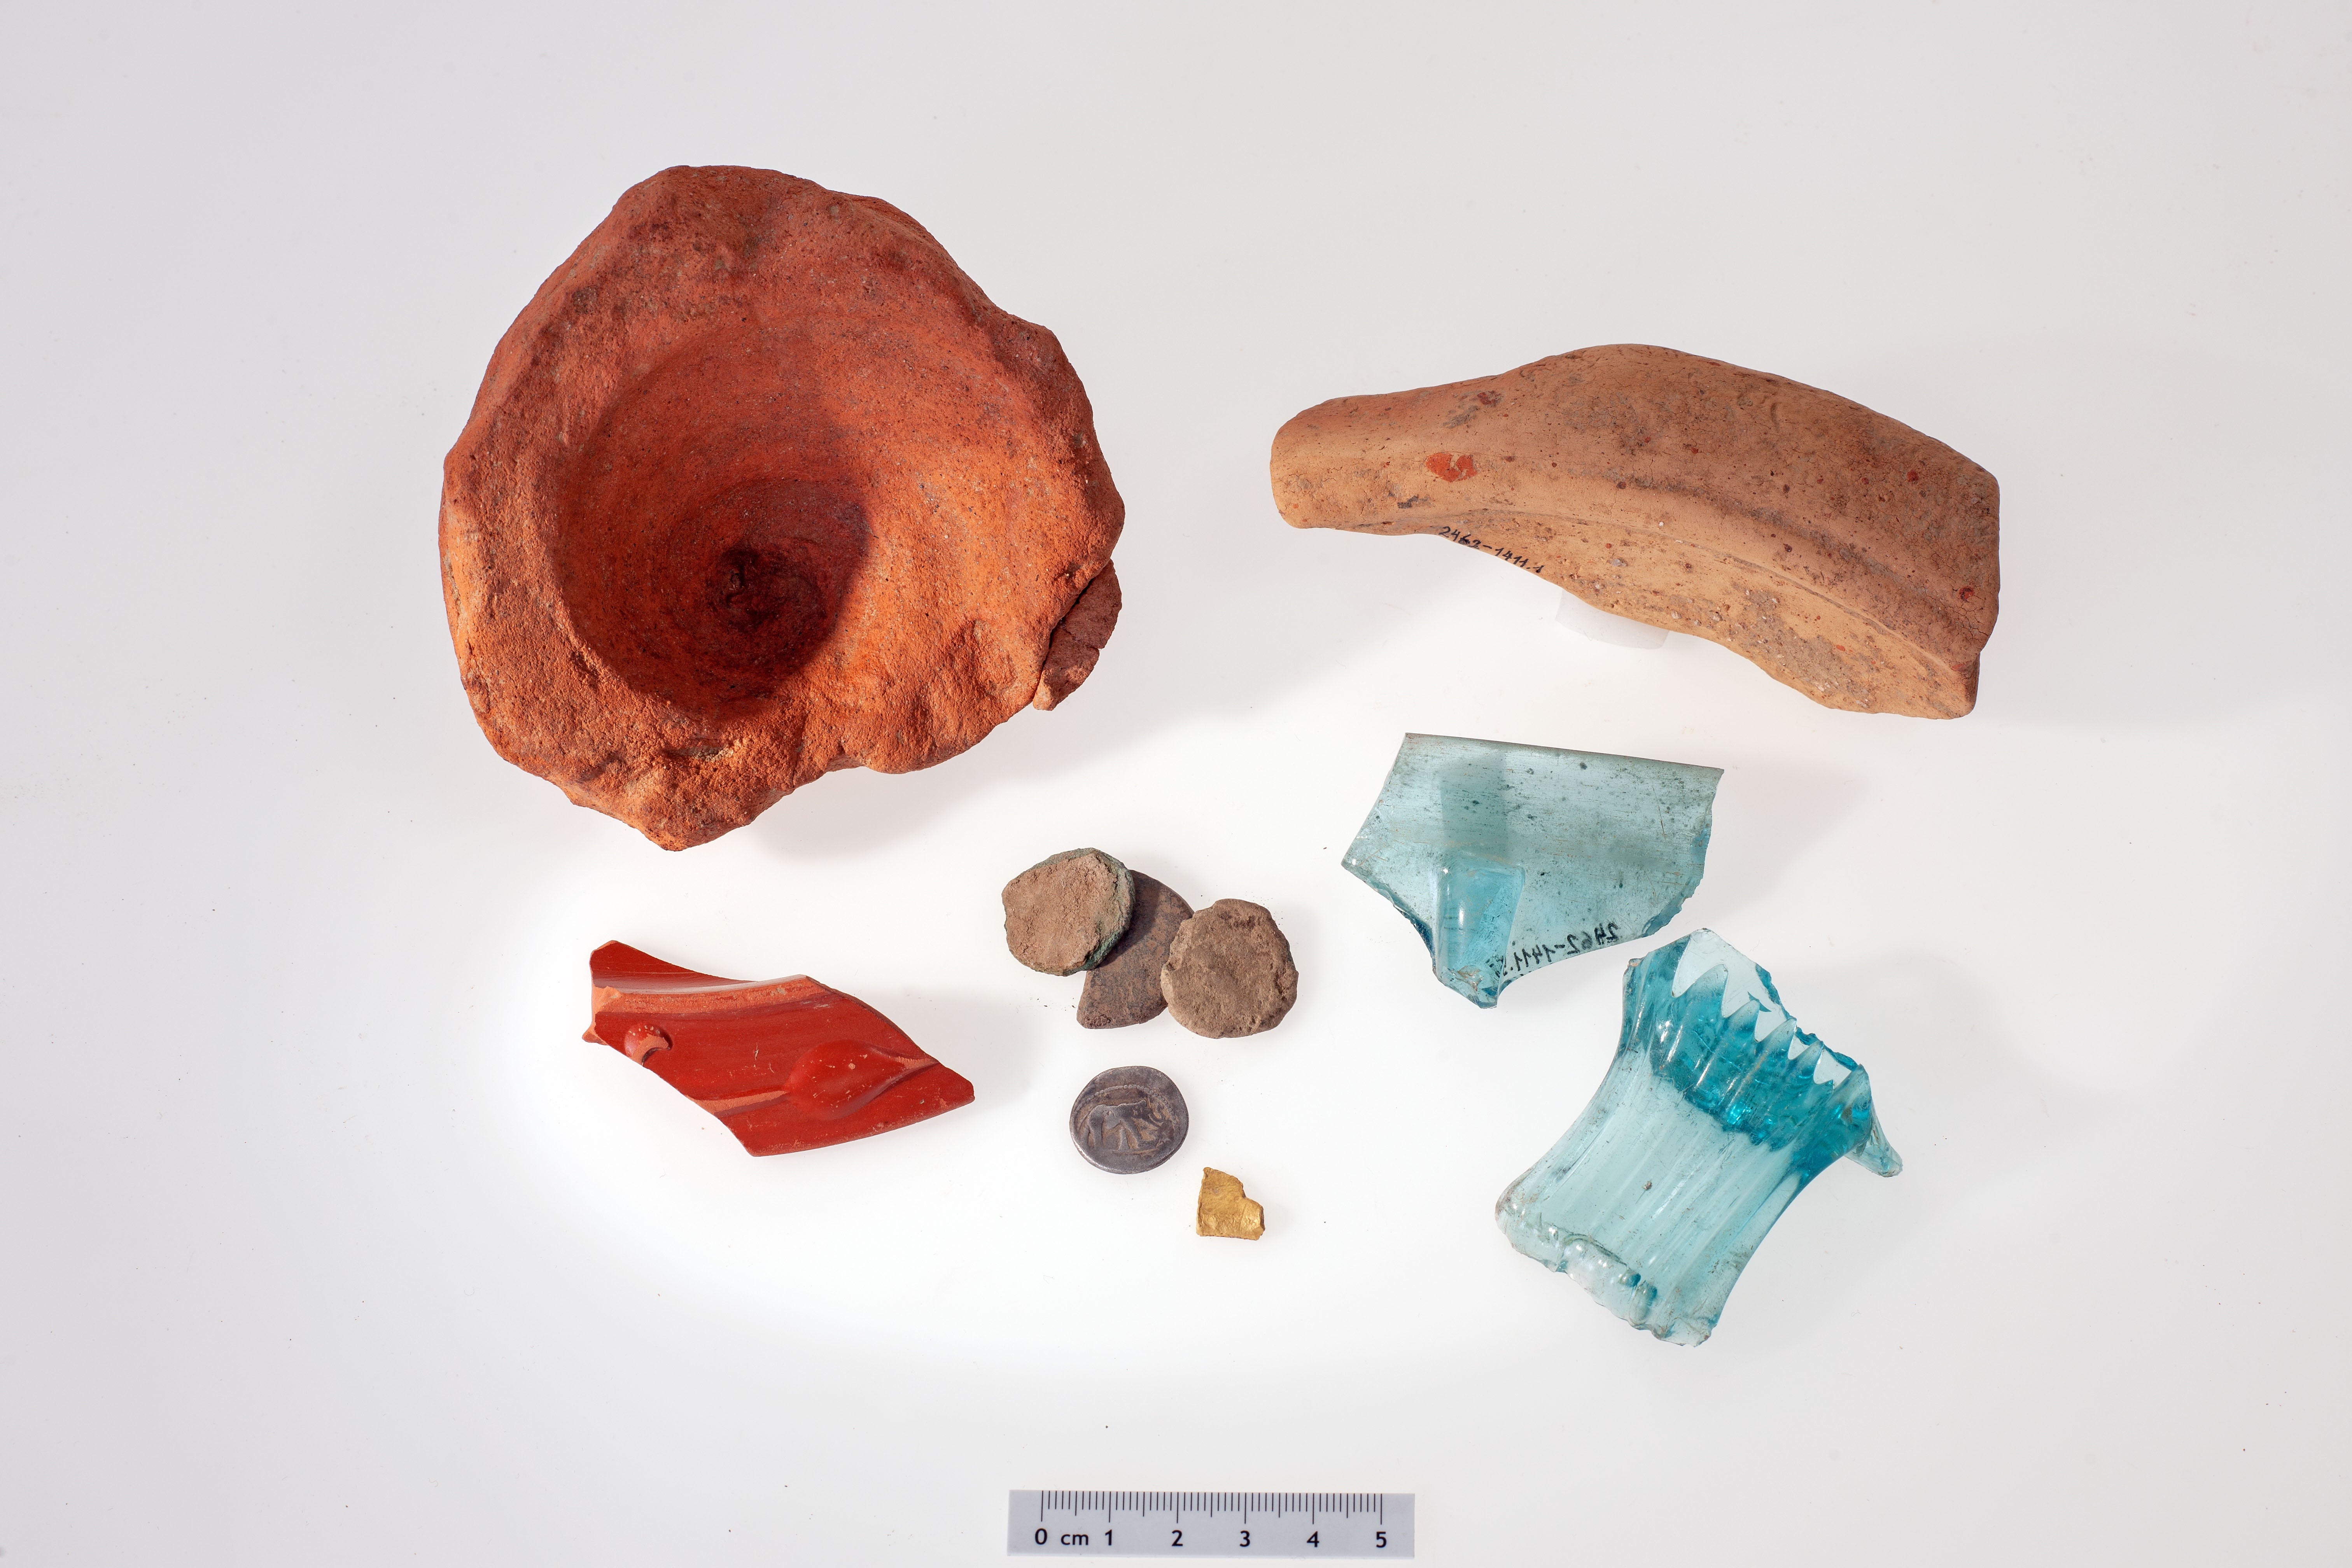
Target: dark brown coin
point(1128, 1120)
point(1124, 988)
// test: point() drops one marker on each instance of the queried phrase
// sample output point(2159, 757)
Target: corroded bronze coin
point(1128, 1120)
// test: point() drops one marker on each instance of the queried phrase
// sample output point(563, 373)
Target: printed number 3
point(1244, 1538)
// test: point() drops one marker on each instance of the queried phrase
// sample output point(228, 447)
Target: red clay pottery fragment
point(759, 485)
point(1846, 554)
point(786, 1064)
point(1078, 640)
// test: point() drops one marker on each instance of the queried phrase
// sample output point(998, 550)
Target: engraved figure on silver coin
point(1128, 1120)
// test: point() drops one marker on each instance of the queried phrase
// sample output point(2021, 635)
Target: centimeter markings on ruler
point(1210, 1524)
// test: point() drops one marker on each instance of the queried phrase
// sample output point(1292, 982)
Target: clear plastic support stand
point(1602, 626)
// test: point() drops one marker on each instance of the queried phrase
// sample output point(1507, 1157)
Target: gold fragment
point(1226, 1210)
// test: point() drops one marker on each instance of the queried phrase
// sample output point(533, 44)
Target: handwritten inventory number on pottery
point(1212, 1524)
point(1515, 559)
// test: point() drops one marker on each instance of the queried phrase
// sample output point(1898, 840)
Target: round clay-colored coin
point(1229, 971)
point(1067, 912)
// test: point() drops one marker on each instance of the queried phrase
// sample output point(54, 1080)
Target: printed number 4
point(1316, 1539)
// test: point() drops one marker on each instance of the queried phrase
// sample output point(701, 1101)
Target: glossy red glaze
point(786, 1064)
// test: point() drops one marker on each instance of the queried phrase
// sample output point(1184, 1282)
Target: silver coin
point(1128, 1120)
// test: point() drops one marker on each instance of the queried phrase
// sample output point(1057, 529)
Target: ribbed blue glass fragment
point(1716, 1113)
point(1508, 857)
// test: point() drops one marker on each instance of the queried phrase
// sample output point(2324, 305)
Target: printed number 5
point(1380, 1538)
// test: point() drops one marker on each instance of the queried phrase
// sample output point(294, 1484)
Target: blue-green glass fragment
point(1716, 1113)
point(1508, 857)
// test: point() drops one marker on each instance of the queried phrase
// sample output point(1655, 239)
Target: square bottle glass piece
point(1716, 1113)
point(1508, 857)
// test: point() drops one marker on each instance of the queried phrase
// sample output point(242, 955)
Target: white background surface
point(327, 1239)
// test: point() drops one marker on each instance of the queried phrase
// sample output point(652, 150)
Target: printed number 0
point(1041, 1537)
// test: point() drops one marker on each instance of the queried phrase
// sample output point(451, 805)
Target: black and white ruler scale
point(1211, 1525)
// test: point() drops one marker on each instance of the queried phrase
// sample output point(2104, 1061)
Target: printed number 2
point(1179, 1540)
